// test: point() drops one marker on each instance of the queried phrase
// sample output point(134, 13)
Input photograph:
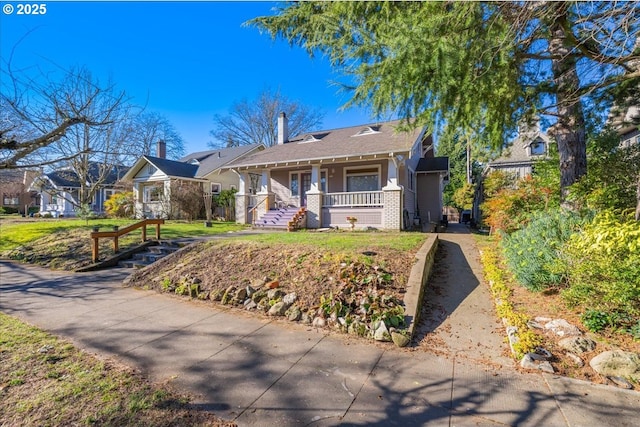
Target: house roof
point(211, 160)
point(517, 153)
point(70, 179)
point(335, 144)
point(195, 165)
point(433, 164)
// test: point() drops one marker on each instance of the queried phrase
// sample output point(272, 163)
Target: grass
point(45, 381)
point(20, 231)
point(343, 241)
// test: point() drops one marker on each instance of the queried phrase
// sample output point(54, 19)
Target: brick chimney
point(283, 129)
point(161, 149)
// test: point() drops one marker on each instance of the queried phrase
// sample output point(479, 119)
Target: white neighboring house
point(152, 176)
point(59, 190)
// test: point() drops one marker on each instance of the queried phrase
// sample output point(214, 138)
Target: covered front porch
point(330, 192)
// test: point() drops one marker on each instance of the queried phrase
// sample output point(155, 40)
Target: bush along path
point(556, 345)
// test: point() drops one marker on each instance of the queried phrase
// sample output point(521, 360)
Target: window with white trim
point(362, 179)
point(538, 148)
point(153, 193)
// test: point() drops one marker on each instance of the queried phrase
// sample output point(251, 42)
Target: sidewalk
point(264, 372)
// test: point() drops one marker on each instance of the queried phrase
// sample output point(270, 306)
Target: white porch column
point(242, 198)
point(392, 173)
point(137, 200)
point(314, 199)
point(265, 192)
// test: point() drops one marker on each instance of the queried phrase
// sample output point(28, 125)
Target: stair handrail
point(253, 210)
point(117, 232)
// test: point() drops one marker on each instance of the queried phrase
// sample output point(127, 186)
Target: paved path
point(262, 372)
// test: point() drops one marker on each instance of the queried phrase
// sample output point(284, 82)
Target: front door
point(306, 186)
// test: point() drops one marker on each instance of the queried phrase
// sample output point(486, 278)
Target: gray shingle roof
point(172, 167)
point(209, 161)
point(517, 153)
point(70, 179)
point(335, 144)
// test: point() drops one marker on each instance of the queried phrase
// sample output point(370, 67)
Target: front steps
point(289, 218)
point(150, 255)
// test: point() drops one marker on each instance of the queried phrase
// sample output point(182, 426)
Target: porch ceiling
point(321, 161)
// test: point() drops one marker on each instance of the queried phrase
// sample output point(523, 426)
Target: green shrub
point(603, 261)
point(532, 253)
point(120, 205)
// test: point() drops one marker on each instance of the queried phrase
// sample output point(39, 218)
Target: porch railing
point(358, 198)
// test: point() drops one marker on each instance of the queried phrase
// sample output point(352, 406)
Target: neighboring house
point(385, 178)
point(14, 190)
point(531, 145)
point(152, 176)
point(59, 190)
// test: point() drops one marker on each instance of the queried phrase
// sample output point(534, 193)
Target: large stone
point(274, 294)
point(290, 298)
point(319, 322)
point(562, 328)
point(617, 363)
point(530, 361)
point(278, 309)
point(399, 339)
point(294, 314)
point(577, 345)
point(380, 332)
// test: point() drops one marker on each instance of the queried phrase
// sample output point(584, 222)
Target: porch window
point(362, 179)
point(153, 193)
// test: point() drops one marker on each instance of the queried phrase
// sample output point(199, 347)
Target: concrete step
point(150, 255)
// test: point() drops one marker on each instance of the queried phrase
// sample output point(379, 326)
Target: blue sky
point(185, 60)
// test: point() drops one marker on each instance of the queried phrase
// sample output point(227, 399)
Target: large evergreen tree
point(479, 67)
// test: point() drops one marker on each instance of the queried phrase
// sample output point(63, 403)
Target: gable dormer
point(368, 130)
point(537, 147)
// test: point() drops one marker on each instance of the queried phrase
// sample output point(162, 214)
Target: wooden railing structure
point(252, 211)
point(117, 232)
point(359, 198)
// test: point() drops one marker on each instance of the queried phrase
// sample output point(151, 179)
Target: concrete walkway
point(263, 372)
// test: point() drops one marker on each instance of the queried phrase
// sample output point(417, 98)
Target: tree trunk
point(569, 131)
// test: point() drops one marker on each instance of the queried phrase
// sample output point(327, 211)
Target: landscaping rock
point(274, 294)
point(273, 284)
point(621, 382)
point(576, 359)
point(380, 331)
point(399, 339)
point(258, 295)
point(250, 291)
point(531, 361)
point(289, 299)
point(616, 363)
point(250, 305)
point(562, 328)
point(577, 345)
point(241, 294)
point(278, 309)
point(294, 314)
point(305, 318)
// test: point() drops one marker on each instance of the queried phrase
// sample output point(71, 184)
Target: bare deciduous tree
point(38, 112)
point(256, 121)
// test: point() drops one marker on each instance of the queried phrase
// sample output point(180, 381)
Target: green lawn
point(344, 240)
point(15, 232)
